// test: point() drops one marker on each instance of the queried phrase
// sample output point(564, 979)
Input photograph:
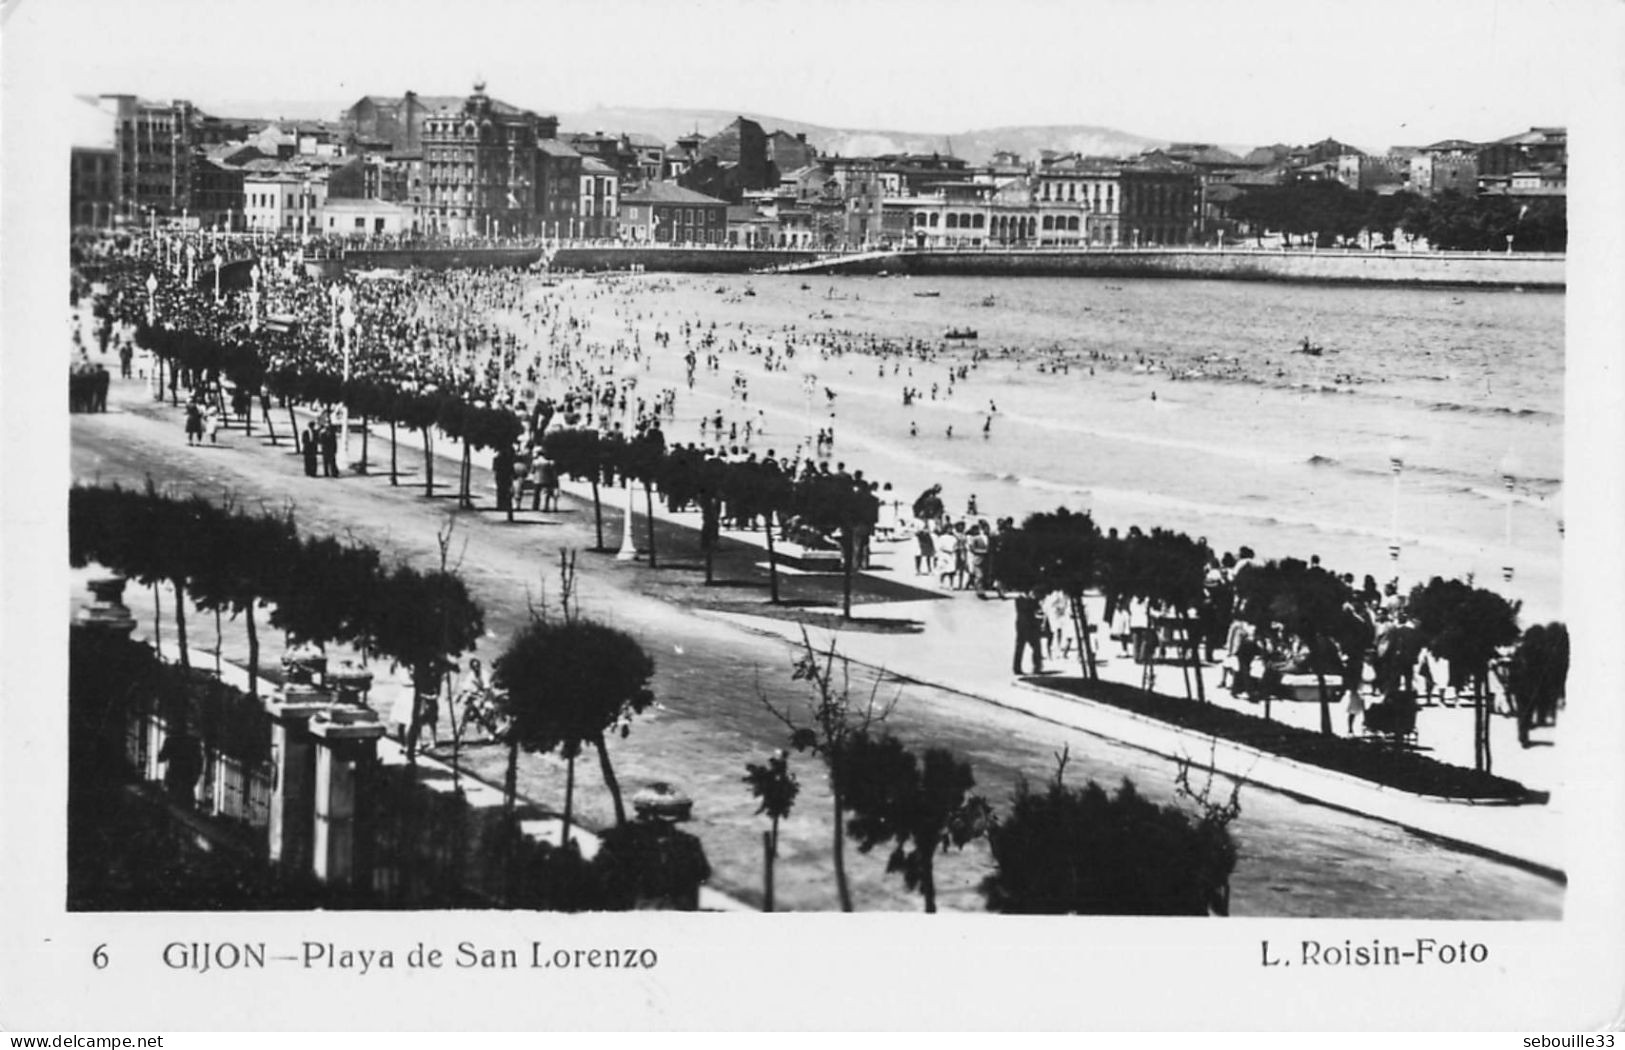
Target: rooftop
point(667, 193)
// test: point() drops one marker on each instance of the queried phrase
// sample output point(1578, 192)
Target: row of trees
point(1331, 212)
point(474, 424)
point(1467, 625)
point(829, 504)
point(319, 590)
point(1063, 850)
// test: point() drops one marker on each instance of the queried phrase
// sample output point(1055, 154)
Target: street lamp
point(218, 262)
point(191, 265)
point(347, 319)
point(254, 298)
point(809, 387)
point(1396, 463)
point(1510, 468)
point(152, 316)
point(629, 379)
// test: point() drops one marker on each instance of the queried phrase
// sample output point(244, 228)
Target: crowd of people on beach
point(576, 357)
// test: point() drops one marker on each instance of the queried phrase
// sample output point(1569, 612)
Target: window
point(978, 220)
point(361, 223)
point(953, 221)
point(1049, 222)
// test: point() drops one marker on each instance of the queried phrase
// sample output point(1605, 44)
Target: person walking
point(550, 485)
point(307, 445)
point(1029, 631)
point(330, 451)
point(194, 423)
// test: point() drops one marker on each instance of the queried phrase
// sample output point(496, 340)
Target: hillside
point(977, 145)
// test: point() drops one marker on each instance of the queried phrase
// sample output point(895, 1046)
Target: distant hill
point(976, 146)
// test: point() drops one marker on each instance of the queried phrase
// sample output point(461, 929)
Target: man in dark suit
point(307, 445)
point(330, 451)
point(1029, 631)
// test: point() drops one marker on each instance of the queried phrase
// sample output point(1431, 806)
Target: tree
point(830, 721)
point(1537, 676)
point(837, 503)
point(1168, 569)
point(776, 788)
point(572, 683)
point(419, 412)
point(578, 453)
point(423, 621)
point(1307, 601)
point(1081, 851)
point(1466, 625)
point(919, 805)
point(1057, 551)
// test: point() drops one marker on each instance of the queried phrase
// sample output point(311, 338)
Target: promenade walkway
point(965, 645)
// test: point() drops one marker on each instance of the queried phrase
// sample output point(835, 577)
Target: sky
point(1373, 73)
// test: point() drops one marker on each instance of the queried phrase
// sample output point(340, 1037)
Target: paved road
point(1297, 858)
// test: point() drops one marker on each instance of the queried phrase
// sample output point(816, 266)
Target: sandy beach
point(1179, 404)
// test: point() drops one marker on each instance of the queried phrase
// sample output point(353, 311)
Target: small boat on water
point(989, 301)
point(960, 333)
point(1306, 347)
point(927, 295)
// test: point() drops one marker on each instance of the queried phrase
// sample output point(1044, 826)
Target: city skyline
point(1399, 75)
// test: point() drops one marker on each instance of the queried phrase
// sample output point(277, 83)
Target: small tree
point(1308, 602)
point(572, 683)
point(1053, 552)
point(1081, 851)
point(1466, 625)
point(1537, 676)
point(831, 721)
point(919, 805)
point(776, 788)
point(578, 453)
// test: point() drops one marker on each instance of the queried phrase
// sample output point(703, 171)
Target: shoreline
point(1521, 271)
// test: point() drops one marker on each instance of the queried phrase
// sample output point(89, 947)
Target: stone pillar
point(107, 612)
point(293, 783)
point(347, 741)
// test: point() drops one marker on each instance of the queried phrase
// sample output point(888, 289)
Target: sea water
point(1184, 404)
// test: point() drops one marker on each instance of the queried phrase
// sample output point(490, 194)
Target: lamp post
point(218, 262)
point(1509, 468)
point(629, 380)
point(254, 298)
point(152, 317)
point(347, 319)
point(1396, 463)
point(809, 387)
point(191, 265)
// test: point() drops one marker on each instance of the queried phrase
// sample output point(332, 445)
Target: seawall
point(677, 260)
point(1464, 269)
point(1529, 270)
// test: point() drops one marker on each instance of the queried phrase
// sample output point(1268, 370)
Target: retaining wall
point(1527, 270)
